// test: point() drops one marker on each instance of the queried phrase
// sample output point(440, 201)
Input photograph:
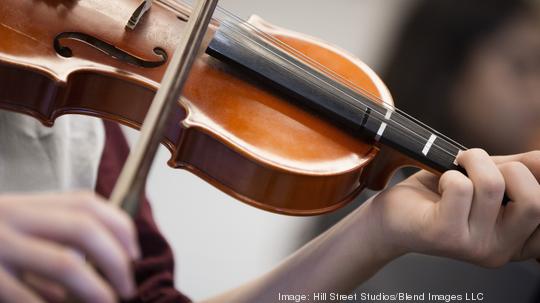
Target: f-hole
point(107, 49)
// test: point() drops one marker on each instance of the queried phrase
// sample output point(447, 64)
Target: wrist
point(374, 235)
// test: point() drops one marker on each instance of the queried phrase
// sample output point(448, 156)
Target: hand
point(41, 237)
point(462, 217)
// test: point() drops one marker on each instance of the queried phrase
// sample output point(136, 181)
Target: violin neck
point(325, 95)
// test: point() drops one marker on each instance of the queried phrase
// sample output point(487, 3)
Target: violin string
point(366, 94)
point(401, 130)
point(402, 127)
point(351, 85)
point(372, 97)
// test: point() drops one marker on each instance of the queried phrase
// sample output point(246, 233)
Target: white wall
point(218, 242)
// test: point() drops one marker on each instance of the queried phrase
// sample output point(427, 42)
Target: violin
point(277, 119)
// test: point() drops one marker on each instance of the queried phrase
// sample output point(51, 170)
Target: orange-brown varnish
point(234, 132)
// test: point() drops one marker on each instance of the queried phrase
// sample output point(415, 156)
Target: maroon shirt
point(154, 272)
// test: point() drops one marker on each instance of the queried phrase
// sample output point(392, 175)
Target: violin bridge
point(138, 14)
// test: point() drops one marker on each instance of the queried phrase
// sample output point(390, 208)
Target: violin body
point(244, 137)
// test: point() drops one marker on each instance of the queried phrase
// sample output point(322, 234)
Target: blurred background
point(220, 243)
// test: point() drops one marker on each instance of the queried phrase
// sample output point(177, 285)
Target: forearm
point(337, 261)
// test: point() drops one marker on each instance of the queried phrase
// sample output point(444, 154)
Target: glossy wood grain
point(231, 129)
